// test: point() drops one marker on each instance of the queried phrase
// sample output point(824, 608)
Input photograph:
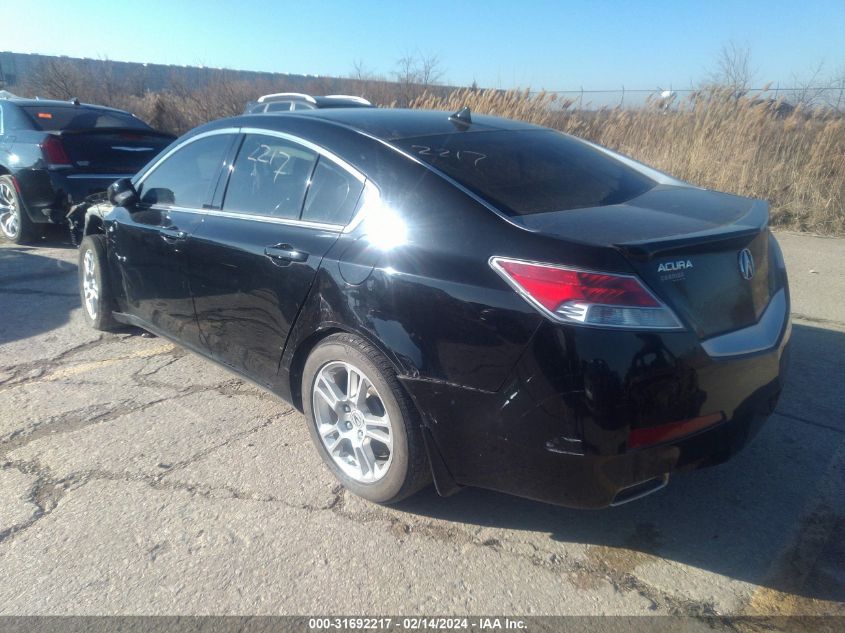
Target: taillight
point(54, 152)
point(587, 297)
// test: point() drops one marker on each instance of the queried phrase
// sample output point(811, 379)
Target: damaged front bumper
point(80, 215)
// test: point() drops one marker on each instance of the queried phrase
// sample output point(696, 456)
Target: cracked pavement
point(137, 478)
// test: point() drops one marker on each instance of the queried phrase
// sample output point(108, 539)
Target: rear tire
point(15, 224)
point(369, 437)
point(94, 290)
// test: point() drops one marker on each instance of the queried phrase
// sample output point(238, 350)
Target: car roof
point(390, 124)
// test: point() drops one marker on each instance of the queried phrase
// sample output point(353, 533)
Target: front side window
point(269, 177)
point(185, 178)
point(332, 195)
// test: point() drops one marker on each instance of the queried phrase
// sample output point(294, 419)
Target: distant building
point(17, 68)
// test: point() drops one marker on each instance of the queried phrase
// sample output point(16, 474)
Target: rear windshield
point(530, 171)
point(57, 118)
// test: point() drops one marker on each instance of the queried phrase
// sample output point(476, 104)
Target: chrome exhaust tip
point(640, 490)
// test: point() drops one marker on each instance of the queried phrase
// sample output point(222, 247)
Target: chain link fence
point(830, 96)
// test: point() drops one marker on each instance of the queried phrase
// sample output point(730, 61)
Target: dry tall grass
point(743, 145)
point(712, 139)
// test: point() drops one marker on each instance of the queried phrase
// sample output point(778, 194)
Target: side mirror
point(122, 193)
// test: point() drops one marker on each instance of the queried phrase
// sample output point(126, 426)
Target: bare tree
point(92, 81)
point(835, 95)
point(810, 88)
point(414, 74)
point(57, 79)
point(733, 69)
point(418, 69)
point(430, 70)
point(360, 72)
point(406, 70)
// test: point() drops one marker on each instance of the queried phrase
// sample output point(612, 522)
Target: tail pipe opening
point(640, 490)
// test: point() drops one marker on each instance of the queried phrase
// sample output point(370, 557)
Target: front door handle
point(172, 234)
point(285, 253)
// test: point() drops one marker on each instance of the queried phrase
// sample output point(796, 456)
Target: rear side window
point(269, 177)
point(529, 171)
point(332, 195)
point(56, 118)
point(184, 179)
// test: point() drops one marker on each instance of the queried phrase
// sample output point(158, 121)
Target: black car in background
point(477, 300)
point(54, 154)
point(293, 101)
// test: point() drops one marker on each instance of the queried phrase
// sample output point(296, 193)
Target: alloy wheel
point(90, 288)
point(352, 422)
point(9, 221)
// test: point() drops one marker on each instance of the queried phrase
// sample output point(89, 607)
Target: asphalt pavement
point(137, 478)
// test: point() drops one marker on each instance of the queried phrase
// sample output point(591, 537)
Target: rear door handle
point(284, 253)
point(172, 234)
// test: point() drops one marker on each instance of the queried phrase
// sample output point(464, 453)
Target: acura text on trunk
point(56, 153)
point(464, 298)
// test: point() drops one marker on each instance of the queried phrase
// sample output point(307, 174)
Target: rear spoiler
point(737, 234)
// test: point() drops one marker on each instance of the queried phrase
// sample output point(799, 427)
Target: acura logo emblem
point(746, 264)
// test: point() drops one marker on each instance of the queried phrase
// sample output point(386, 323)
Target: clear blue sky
point(552, 45)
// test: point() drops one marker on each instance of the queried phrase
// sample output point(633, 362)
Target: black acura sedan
point(461, 298)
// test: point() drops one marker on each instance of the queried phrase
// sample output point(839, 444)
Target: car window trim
point(369, 187)
point(334, 228)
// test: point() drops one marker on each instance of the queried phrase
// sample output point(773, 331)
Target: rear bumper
point(597, 481)
point(558, 430)
point(48, 194)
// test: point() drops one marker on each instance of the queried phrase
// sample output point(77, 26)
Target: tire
point(94, 290)
point(15, 225)
point(399, 471)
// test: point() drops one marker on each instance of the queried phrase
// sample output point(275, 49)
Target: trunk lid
point(686, 245)
point(112, 150)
